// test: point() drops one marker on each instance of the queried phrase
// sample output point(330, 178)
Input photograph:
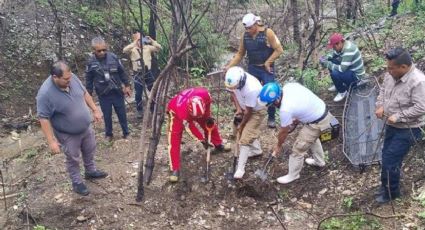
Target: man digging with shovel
point(245, 89)
point(298, 105)
point(190, 106)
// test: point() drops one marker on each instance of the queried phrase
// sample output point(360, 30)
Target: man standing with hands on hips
point(262, 47)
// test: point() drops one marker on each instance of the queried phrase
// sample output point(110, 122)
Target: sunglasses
point(248, 27)
point(102, 50)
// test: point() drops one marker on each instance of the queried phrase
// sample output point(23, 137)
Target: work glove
point(323, 61)
point(206, 144)
point(237, 119)
point(210, 122)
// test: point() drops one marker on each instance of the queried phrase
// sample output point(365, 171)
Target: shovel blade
point(261, 174)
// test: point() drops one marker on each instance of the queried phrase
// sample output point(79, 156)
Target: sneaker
point(313, 162)
point(139, 114)
point(95, 175)
point(80, 189)
point(125, 136)
point(271, 124)
point(238, 174)
point(332, 88)
point(287, 179)
point(340, 96)
point(174, 177)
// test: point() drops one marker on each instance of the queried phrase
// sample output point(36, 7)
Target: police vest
point(105, 75)
point(257, 50)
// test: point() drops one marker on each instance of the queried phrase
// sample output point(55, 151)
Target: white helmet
point(235, 77)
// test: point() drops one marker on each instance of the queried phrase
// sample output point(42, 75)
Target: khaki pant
point(249, 143)
point(308, 136)
point(252, 128)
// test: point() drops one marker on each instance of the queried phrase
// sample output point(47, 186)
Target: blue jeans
point(342, 80)
point(397, 144)
point(113, 99)
point(264, 77)
point(139, 86)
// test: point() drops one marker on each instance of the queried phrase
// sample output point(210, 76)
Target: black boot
point(384, 197)
point(80, 189)
point(380, 191)
point(95, 175)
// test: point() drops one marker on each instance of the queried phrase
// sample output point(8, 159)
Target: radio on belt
point(332, 132)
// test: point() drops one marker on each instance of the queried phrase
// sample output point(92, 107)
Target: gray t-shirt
point(67, 111)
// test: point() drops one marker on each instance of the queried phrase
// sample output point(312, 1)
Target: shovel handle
point(269, 160)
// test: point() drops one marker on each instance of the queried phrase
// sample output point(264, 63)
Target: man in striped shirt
point(345, 65)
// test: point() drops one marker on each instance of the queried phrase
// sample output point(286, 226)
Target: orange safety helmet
point(196, 107)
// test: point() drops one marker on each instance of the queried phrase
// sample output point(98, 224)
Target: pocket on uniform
point(113, 69)
point(300, 147)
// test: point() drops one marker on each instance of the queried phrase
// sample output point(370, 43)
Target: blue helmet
point(270, 93)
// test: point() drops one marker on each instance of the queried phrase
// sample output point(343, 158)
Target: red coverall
point(178, 112)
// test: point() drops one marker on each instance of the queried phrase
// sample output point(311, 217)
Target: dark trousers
point(264, 77)
point(72, 145)
point(113, 99)
point(395, 5)
point(397, 144)
point(139, 85)
point(342, 80)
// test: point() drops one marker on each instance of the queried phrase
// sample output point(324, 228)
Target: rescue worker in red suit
point(190, 106)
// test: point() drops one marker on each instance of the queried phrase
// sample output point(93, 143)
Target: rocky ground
point(42, 193)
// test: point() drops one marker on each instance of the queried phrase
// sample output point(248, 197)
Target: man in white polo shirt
point(298, 105)
point(245, 89)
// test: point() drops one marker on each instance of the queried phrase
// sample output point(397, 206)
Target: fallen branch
point(278, 218)
point(358, 214)
point(4, 197)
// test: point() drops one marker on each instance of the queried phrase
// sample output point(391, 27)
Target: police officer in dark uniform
point(262, 48)
point(105, 72)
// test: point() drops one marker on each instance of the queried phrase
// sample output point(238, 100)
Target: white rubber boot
point(255, 149)
point(318, 155)
point(295, 165)
point(243, 157)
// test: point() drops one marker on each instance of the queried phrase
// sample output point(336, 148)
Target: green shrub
point(356, 222)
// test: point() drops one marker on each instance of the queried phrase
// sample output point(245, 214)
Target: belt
point(321, 117)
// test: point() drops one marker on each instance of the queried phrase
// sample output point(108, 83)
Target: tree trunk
point(152, 34)
point(152, 19)
point(296, 21)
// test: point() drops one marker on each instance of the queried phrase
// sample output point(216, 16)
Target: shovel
point(205, 178)
point(229, 175)
point(262, 173)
